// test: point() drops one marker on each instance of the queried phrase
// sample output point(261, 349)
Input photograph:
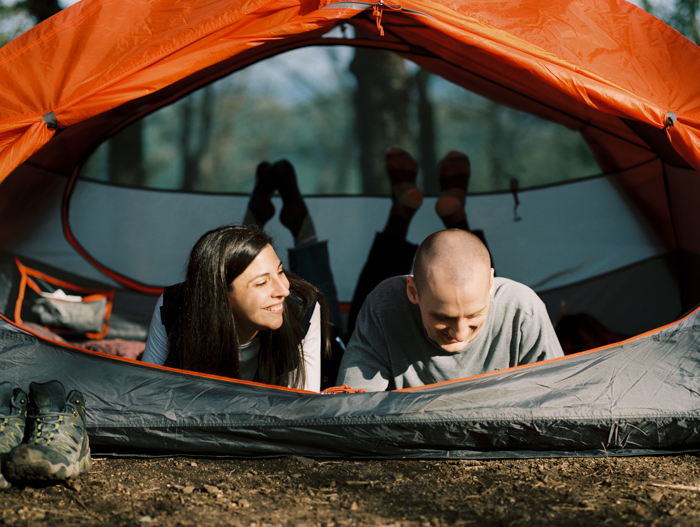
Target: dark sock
point(260, 207)
point(294, 214)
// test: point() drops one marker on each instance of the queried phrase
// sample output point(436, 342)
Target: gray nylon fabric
point(636, 398)
point(81, 317)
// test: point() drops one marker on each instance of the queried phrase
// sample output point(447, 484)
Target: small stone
point(193, 464)
point(211, 489)
point(307, 462)
point(72, 484)
point(188, 490)
point(354, 506)
point(243, 503)
point(656, 496)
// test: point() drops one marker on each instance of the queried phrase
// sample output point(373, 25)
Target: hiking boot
point(57, 447)
point(13, 415)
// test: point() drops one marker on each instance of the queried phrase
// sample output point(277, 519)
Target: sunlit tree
point(682, 15)
point(18, 17)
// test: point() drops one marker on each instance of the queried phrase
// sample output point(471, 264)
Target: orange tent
point(613, 72)
point(594, 59)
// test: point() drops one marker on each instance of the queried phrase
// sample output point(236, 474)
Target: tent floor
point(302, 491)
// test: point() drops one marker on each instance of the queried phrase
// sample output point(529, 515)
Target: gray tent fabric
point(639, 397)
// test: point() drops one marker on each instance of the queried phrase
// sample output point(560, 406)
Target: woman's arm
point(157, 343)
point(311, 344)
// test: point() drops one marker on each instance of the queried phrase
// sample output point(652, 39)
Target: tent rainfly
point(623, 246)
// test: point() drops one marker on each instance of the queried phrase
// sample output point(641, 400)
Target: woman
point(240, 314)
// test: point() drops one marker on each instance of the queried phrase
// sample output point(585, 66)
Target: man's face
point(452, 314)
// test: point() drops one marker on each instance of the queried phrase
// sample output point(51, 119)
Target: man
point(451, 319)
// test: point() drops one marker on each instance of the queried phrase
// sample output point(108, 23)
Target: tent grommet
point(51, 121)
point(670, 119)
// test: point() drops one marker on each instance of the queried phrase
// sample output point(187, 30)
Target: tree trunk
point(427, 158)
point(381, 113)
point(196, 122)
point(42, 9)
point(126, 156)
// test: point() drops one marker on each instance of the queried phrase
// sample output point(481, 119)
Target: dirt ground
point(306, 492)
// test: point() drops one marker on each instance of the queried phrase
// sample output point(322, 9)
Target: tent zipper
point(377, 10)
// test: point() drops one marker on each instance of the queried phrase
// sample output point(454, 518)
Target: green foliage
point(16, 17)
point(14, 20)
point(504, 143)
point(682, 15)
point(285, 108)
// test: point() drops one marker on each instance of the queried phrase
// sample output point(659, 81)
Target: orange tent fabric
point(604, 55)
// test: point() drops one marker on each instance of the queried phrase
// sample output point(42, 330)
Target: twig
point(80, 502)
point(607, 457)
point(676, 487)
point(63, 513)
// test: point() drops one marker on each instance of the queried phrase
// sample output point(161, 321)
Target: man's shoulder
point(514, 294)
point(388, 304)
point(389, 291)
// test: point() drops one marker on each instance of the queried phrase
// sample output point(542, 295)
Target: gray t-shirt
point(390, 347)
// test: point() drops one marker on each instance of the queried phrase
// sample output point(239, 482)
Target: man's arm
point(538, 340)
point(365, 363)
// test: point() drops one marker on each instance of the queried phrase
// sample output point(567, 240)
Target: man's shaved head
point(455, 255)
point(451, 285)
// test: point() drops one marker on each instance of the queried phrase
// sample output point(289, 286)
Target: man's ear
point(491, 281)
point(411, 290)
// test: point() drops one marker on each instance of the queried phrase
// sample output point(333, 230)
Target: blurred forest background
point(332, 111)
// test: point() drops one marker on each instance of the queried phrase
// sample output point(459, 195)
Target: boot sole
point(4, 484)
point(30, 465)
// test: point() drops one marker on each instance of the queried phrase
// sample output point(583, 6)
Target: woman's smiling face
point(257, 297)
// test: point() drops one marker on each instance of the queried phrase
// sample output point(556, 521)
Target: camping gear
point(56, 447)
point(623, 247)
point(13, 416)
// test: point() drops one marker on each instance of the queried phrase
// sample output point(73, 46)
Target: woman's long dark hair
point(205, 338)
